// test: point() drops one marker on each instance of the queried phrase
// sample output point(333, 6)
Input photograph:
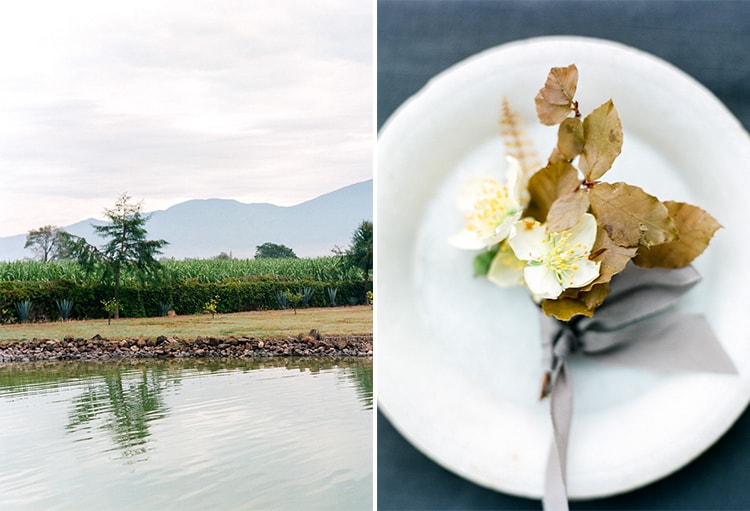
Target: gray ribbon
point(633, 327)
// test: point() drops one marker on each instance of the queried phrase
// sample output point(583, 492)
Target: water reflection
point(122, 398)
point(123, 403)
point(361, 375)
point(286, 433)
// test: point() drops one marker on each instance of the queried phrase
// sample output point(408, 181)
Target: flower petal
point(502, 231)
point(505, 270)
point(467, 240)
point(514, 178)
point(587, 272)
point(584, 232)
point(469, 191)
point(542, 282)
point(527, 240)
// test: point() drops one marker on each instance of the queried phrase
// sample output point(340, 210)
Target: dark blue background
point(709, 40)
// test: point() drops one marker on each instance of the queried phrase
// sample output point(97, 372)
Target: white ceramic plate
point(459, 362)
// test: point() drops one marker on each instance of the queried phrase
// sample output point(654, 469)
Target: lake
point(197, 434)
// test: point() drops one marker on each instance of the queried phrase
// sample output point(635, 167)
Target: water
point(272, 434)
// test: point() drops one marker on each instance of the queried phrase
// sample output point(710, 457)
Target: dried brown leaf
point(555, 100)
point(555, 156)
point(695, 226)
point(570, 138)
point(567, 210)
point(549, 183)
point(595, 296)
point(630, 216)
point(565, 308)
point(613, 257)
point(602, 131)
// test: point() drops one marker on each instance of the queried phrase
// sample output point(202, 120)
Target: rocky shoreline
point(162, 347)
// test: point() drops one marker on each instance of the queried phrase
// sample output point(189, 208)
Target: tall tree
point(126, 246)
point(274, 251)
point(48, 242)
point(360, 251)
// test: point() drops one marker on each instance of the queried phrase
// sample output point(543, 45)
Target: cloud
point(256, 101)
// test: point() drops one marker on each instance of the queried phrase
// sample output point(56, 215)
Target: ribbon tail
point(561, 409)
point(667, 342)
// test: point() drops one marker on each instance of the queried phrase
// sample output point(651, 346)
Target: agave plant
point(283, 299)
point(306, 293)
point(332, 295)
point(65, 307)
point(164, 308)
point(24, 310)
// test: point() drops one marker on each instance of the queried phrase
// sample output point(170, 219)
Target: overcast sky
point(170, 100)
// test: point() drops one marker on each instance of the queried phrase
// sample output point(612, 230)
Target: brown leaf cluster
point(555, 100)
point(632, 225)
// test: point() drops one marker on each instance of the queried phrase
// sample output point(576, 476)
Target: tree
point(48, 242)
point(360, 252)
point(126, 246)
point(274, 251)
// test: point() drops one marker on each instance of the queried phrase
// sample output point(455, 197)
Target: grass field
point(262, 324)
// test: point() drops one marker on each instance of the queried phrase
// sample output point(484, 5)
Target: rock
point(340, 342)
point(173, 347)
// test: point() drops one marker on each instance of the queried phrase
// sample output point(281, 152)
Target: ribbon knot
point(634, 326)
point(555, 349)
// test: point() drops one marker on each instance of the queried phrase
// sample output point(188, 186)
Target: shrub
point(111, 306)
point(211, 306)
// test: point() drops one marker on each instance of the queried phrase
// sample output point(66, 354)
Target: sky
point(171, 100)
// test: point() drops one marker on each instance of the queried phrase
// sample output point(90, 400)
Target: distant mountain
point(205, 228)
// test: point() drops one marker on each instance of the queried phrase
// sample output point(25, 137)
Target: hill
point(205, 228)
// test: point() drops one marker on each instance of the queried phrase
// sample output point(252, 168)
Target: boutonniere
point(604, 261)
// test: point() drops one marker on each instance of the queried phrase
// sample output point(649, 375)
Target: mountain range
point(204, 228)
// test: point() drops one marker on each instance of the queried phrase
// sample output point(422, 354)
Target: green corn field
point(323, 269)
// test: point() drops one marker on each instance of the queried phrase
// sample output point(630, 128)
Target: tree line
point(126, 247)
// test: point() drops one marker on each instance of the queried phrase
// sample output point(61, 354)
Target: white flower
point(490, 208)
point(506, 269)
point(555, 261)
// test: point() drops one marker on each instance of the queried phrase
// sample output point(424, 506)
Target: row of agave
point(303, 296)
point(24, 308)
